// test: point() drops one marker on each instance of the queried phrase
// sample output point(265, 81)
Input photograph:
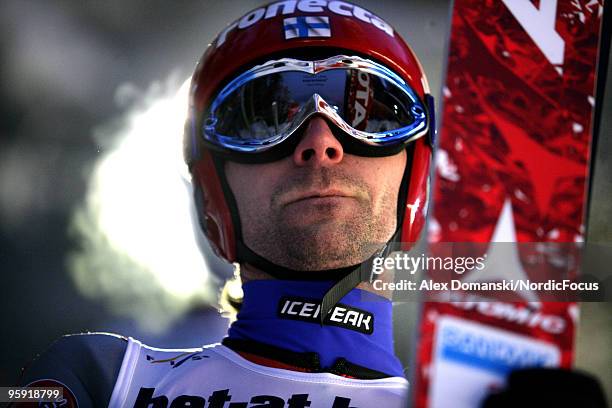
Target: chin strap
point(346, 278)
point(246, 255)
point(361, 273)
point(341, 288)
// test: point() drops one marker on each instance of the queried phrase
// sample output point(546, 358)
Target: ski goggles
point(264, 106)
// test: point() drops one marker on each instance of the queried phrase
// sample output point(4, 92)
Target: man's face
point(318, 208)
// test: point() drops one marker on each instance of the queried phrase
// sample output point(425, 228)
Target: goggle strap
point(431, 110)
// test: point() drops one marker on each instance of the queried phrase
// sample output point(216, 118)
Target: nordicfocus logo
point(309, 310)
point(305, 6)
point(217, 399)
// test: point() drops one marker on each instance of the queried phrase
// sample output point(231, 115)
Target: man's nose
point(318, 146)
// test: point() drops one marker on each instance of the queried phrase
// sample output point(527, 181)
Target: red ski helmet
point(261, 35)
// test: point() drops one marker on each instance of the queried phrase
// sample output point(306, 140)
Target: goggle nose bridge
point(319, 106)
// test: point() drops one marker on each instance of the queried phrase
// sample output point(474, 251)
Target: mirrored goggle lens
point(263, 111)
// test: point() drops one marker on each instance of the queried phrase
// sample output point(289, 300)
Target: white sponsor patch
point(471, 359)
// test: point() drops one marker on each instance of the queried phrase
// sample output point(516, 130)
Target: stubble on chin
point(331, 239)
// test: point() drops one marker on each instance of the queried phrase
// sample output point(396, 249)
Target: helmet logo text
point(305, 6)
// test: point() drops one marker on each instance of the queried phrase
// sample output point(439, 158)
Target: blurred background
point(95, 232)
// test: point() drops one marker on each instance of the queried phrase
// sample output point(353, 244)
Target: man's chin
point(321, 264)
point(320, 211)
point(326, 249)
point(319, 248)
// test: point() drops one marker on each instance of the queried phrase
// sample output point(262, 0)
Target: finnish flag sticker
point(300, 27)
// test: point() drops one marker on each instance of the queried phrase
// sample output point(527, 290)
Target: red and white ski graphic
point(512, 165)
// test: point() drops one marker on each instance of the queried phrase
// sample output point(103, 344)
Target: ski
point(511, 183)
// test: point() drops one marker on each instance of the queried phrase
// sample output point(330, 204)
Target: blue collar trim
point(281, 313)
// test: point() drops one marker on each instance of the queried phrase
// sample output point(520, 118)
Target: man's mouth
point(315, 196)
